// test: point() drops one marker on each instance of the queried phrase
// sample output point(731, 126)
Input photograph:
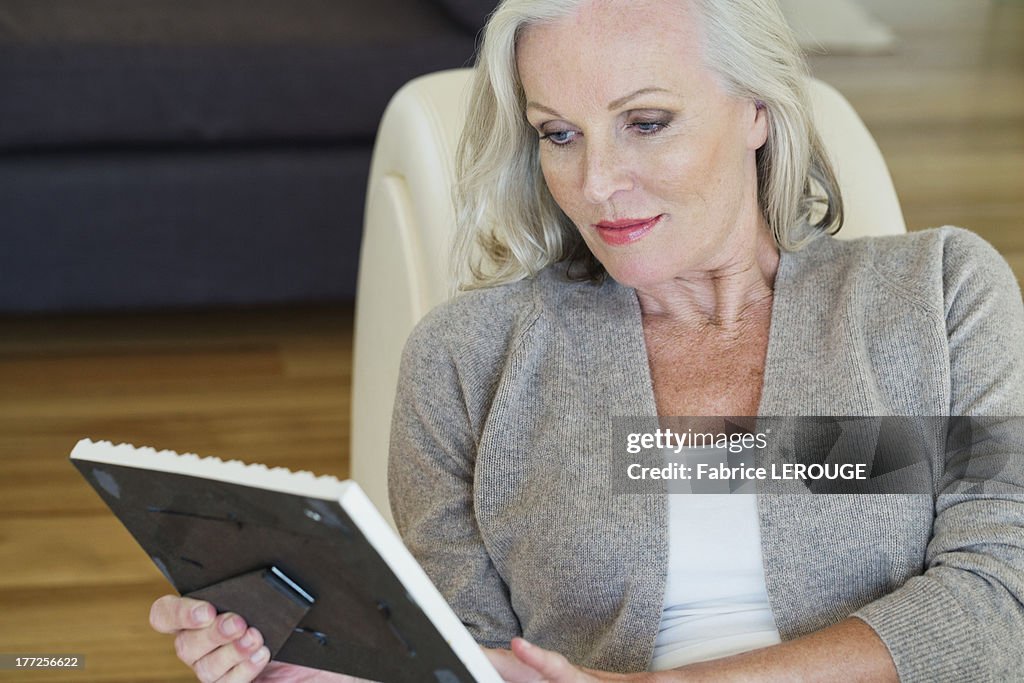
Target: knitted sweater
point(501, 455)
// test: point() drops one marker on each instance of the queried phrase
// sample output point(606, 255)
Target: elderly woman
point(645, 212)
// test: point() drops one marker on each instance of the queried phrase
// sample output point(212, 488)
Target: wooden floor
point(947, 108)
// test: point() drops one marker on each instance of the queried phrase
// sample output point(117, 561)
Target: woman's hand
point(222, 648)
point(528, 663)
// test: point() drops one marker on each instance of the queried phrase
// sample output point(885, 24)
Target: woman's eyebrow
point(541, 107)
point(614, 104)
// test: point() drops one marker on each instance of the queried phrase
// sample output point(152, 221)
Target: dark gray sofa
point(181, 153)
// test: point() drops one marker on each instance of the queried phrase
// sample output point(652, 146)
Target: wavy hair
point(509, 227)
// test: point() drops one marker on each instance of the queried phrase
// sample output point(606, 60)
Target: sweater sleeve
point(963, 618)
point(435, 429)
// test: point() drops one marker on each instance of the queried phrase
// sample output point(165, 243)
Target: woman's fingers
point(221, 648)
point(528, 663)
point(550, 665)
point(510, 668)
point(247, 669)
point(194, 644)
point(239, 660)
point(171, 614)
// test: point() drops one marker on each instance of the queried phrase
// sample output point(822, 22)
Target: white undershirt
point(716, 602)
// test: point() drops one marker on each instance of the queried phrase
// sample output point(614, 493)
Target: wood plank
point(107, 623)
point(64, 552)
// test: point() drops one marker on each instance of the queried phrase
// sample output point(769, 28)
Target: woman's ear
point(759, 126)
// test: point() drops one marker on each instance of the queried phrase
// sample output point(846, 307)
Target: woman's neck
point(724, 297)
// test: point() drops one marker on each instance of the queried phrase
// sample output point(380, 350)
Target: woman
point(670, 258)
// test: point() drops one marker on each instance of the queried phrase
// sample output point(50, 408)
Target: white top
point(716, 603)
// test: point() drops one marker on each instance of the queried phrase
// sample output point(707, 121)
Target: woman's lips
point(626, 230)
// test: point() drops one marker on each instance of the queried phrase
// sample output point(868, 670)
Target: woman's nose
point(605, 173)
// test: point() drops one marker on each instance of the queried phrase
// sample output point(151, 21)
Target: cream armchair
point(409, 223)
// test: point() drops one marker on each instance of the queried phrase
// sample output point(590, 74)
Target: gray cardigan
point(499, 465)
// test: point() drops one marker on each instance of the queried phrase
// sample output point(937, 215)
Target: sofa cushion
point(102, 72)
point(135, 230)
point(471, 14)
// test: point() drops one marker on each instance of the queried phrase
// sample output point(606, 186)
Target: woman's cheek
point(561, 184)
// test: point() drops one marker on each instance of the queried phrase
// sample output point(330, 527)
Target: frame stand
point(266, 598)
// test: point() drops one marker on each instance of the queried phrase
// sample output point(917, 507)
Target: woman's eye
point(559, 137)
point(648, 127)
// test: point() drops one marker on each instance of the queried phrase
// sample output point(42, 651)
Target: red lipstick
point(626, 230)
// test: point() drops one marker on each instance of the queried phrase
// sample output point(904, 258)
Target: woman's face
point(640, 145)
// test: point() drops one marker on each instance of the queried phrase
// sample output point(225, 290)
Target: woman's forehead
point(611, 47)
point(619, 21)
